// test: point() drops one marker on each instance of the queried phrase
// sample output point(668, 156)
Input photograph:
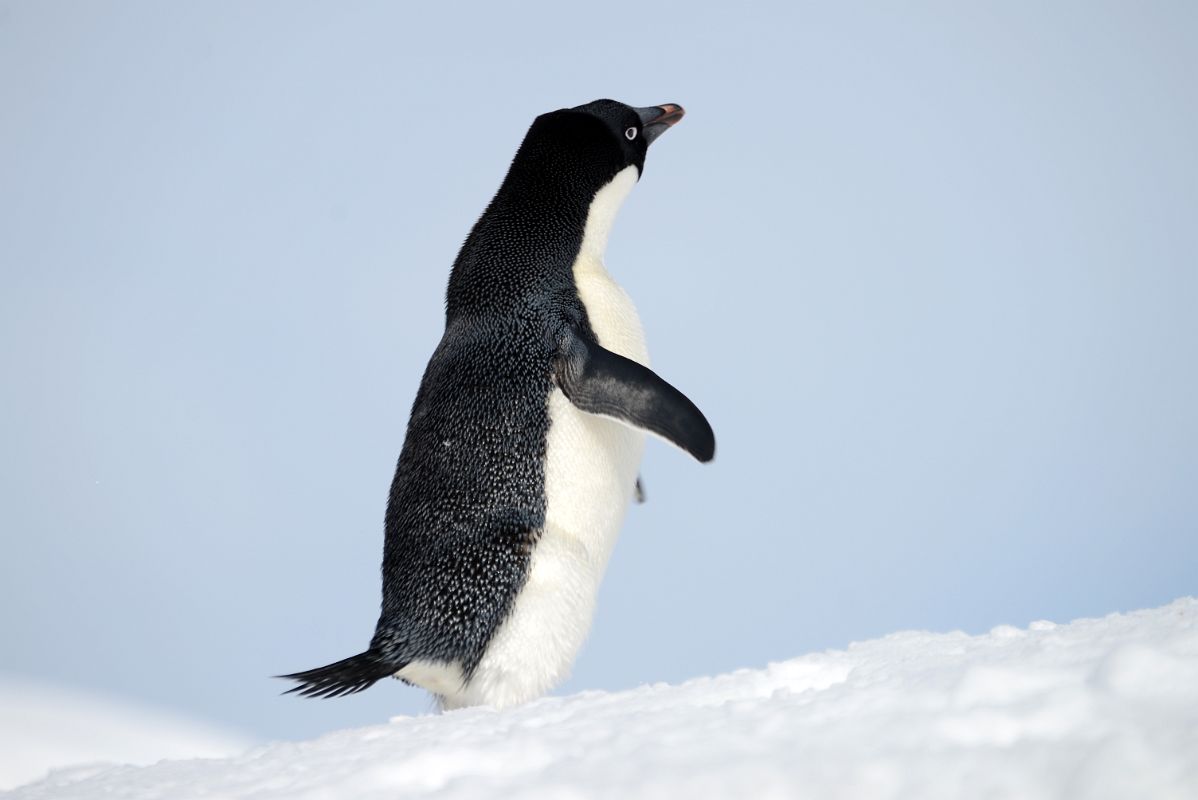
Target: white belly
point(591, 466)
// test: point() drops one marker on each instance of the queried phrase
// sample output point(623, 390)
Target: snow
point(1099, 708)
point(44, 726)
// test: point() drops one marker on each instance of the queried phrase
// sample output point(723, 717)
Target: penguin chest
point(592, 461)
point(591, 465)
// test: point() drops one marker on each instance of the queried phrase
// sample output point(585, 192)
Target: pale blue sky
point(930, 270)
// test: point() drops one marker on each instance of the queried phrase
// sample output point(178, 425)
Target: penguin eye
point(630, 134)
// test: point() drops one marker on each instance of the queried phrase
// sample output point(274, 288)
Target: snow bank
point(44, 726)
point(1094, 709)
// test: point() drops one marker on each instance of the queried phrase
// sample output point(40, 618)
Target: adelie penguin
point(523, 446)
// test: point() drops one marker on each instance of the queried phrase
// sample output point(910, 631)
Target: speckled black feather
point(468, 500)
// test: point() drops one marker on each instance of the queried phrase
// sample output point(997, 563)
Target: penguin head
point(631, 129)
point(590, 144)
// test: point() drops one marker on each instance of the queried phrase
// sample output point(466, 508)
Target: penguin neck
point(525, 224)
point(602, 213)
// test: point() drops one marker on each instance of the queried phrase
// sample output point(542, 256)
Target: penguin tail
point(348, 676)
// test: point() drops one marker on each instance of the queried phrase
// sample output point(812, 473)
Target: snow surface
point(44, 726)
point(1099, 708)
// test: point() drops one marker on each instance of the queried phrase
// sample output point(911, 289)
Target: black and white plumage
point(524, 442)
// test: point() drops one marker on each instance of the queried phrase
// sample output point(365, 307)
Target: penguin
point(523, 447)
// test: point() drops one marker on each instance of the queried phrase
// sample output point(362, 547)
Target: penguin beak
point(656, 120)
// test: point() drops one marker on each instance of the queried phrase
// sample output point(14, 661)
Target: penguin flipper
point(640, 491)
point(348, 676)
point(599, 381)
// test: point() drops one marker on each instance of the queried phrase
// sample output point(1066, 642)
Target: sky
point(931, 272)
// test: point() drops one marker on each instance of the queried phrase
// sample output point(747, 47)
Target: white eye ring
point(630, 134)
